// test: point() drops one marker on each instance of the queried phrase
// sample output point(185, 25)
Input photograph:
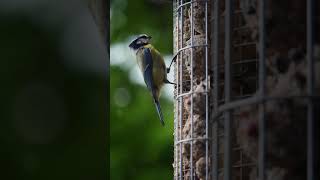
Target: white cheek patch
point(139, 42)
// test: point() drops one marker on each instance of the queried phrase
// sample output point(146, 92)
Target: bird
point(152, 67)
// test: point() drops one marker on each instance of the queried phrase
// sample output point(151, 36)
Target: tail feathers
point(159, 111)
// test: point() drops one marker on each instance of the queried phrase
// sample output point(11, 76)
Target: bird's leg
point(173, 59)
point(168, 82)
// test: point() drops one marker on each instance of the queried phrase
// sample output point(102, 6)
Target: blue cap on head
point(134, 44)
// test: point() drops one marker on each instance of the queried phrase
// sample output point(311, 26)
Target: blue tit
point(152, 66)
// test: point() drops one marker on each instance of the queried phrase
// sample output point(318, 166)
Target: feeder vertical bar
point(175, 4)
point(177, 135)
point(181, 90)
point(262, 72)
point(191, 89)
point(207, 83)
point(227, 88)
point(214, 60)
point(310, 81)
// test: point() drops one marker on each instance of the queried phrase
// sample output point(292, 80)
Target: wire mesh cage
point(248, 82)
point(191, 122)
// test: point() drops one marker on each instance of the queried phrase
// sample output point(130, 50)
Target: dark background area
point(54, 106)
point(54, 93)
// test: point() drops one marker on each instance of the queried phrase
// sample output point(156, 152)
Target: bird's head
point(139, 41)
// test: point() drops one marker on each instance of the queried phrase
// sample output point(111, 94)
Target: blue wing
point(147, 74)
point(148, 79)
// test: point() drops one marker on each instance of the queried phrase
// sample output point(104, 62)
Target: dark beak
point(149, 37)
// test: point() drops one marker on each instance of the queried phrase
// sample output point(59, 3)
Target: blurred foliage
point(140, 148)
point(152, 17)
point(53, 118)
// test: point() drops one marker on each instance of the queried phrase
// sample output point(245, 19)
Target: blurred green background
point(53, 74)
point(140, 148)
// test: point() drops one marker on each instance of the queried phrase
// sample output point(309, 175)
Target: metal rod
point(189, 47)
point(178, 148)
point(227, 88)
point(253, 100)
point(190, 2)
point(190, 139)
point(189, 93)
point(179, 51)
point(310, 83)
point(176, 102)
point(183, 4)
point(262, 124)
point(215, 62)
point(207, 83)
point(181, 90)
point(191, 96)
